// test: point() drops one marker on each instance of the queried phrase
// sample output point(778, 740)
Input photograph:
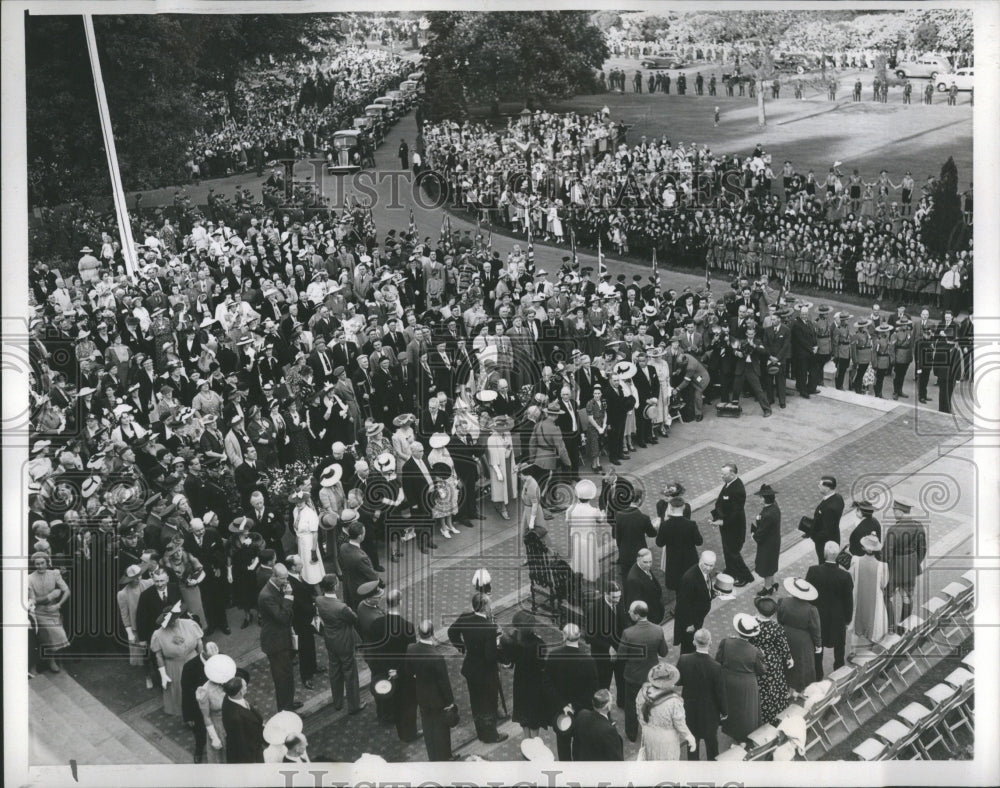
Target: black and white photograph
point(492, 393)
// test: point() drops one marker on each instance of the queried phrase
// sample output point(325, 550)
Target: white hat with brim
point(800, 589)
point(586, 490)
point(746, 625)
point(281, 726)
point(624, 370)
point(534, 749)
point(220, 668)
point(439, 440)
point(385, 462)
point(331, 475)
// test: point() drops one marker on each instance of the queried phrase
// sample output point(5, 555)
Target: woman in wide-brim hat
point(402, 439)
point(445, 504)
point(377, 443)
point(800, 618)
point(219, 668)
point(500, 461)
point(305, 526)
point(742, 664)
point(773, 644)
point(241, 565)
point(766, 532)
point(176, 640)
point(870, 575)
point(660, 708)
point(521, 646)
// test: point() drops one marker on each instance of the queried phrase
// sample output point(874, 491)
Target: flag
point(601, 268)
point(572, 246)
point(654, 262)
point(489, 242)
point(413, 224)
point(531, 248)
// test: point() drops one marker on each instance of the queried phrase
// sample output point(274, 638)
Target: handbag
point(806, 526)
point(844, 558)
point(451, 716)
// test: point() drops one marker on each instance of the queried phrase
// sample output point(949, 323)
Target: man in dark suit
point(694, 600)
point(643, 644)
point(154, 600)
point(729, 515)
point(274, 604)
point(355, 565)
point(606, 619)
point(804, 346)
point(340, 635)
point(641, 585)
point(778, 343)
point(631, 528)
point(243, 725)
point(387, 639)
point(571, 681)
point(465, 454)
point(595, 737)
point(704, 692)
point(266, 522)
point(192, 677)
point(427, 670)
point(418, 487)
point(475, 635)
point(826, 517)
point(835, 603)
point(207, 545)
point(321, 361)
point(342, 353)
point(647, 384)
point(303, 612)
point(247, 476)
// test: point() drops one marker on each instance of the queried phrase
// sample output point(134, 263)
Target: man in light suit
point(275, 604)
point(694, 600)
point(429, 674)
point(704, 692)
point(643, 645)
point(835, 604)
point(243, 725)
point(340, 634)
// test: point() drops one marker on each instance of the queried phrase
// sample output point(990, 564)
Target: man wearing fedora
point(766, 532)
point(704, 691)
point(643, 646)
point(571, 681)
point(729, 515)
point(867, 526)
point(694, 599)
point(904, 550)
point(835, 602)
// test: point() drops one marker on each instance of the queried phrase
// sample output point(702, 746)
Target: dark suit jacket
point(192, 677)
point(730, 507)
point(244, 733)
point(476, 637)
point(416, 488)
point(704, 691)
point(605, 624)
point(826, 519)
point(276, 620)
point(572, 678)
point(646, 387)
point(211, 553)
point(694, 600)
point(357, 569)
point(631, 528)
point(387, 642)
point(427, 669)
point(643, 644)
point(639, 585)
point(835, 601)
point(595, 738)
point(149, 608)
point(680, 538)
point(304, 604)
point(340, 625)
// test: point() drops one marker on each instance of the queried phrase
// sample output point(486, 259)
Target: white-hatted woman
point(305, 526)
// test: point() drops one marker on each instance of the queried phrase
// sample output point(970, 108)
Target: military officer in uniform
point(861, 354)
point(824, 344)
point(902, 356)
point(883, 356)
point(841, 340)
point(903, 551)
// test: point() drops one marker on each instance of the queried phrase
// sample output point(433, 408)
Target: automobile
point(409, 87)
point(662, 60)
point(962, 79)
point(346, 151)
point(798, 64)
point(923, 67)
point(391, 105)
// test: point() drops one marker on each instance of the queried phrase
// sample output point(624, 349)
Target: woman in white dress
point(588, 533)
point(305, 525)
point(500, 459)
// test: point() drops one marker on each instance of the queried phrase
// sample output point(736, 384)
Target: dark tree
point(939, 228)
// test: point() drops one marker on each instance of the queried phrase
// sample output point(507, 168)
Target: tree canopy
point(508, 55)
point(154, 68)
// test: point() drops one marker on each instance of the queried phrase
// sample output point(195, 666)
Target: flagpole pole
point(117, 191)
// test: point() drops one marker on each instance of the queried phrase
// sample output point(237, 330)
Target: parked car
point(798, 64)
point(662, 60)
point(962, 79)
point(923, 67)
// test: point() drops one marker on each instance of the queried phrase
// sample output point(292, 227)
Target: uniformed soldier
point(699, 84)
point(883, 356)
point(861, 354)
point(953, 94)
point(902, 356)
point(907, 91)
point(841, 340)
point(637, 82)
point(711, 85)
point(824, 342)
point(857, 90)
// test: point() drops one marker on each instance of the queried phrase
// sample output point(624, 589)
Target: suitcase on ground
point(728, 410)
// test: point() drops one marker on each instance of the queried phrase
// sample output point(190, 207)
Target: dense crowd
point(571, 178)
point(289, 110)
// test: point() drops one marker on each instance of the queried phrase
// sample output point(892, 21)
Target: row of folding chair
point(916, 729)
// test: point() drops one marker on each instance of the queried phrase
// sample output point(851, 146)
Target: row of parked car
point(379, 116)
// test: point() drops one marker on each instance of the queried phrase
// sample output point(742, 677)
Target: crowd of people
point(571, 179)
point(290, 110)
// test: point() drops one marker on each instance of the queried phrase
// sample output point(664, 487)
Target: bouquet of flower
point(280, 482)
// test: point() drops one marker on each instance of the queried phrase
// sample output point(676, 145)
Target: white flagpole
point(121, 208)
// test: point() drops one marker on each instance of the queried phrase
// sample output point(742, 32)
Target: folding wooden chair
point(899, 737)
point(915, 635)
point(958, 678)
point(860, 692)
point(829, 716)
point(917, 716)
point(960, 596)
point(969, 660)
point(763, 742)
point(890, 649)
point(734, 753)
point(934, 626)
point(946, 702)
point(870, 750)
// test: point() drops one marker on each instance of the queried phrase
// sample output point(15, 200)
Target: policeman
point(902, 356)
point(824, 343)
point(883, 356)
point(903, 551)
point(841, 339)
point(861, 354)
